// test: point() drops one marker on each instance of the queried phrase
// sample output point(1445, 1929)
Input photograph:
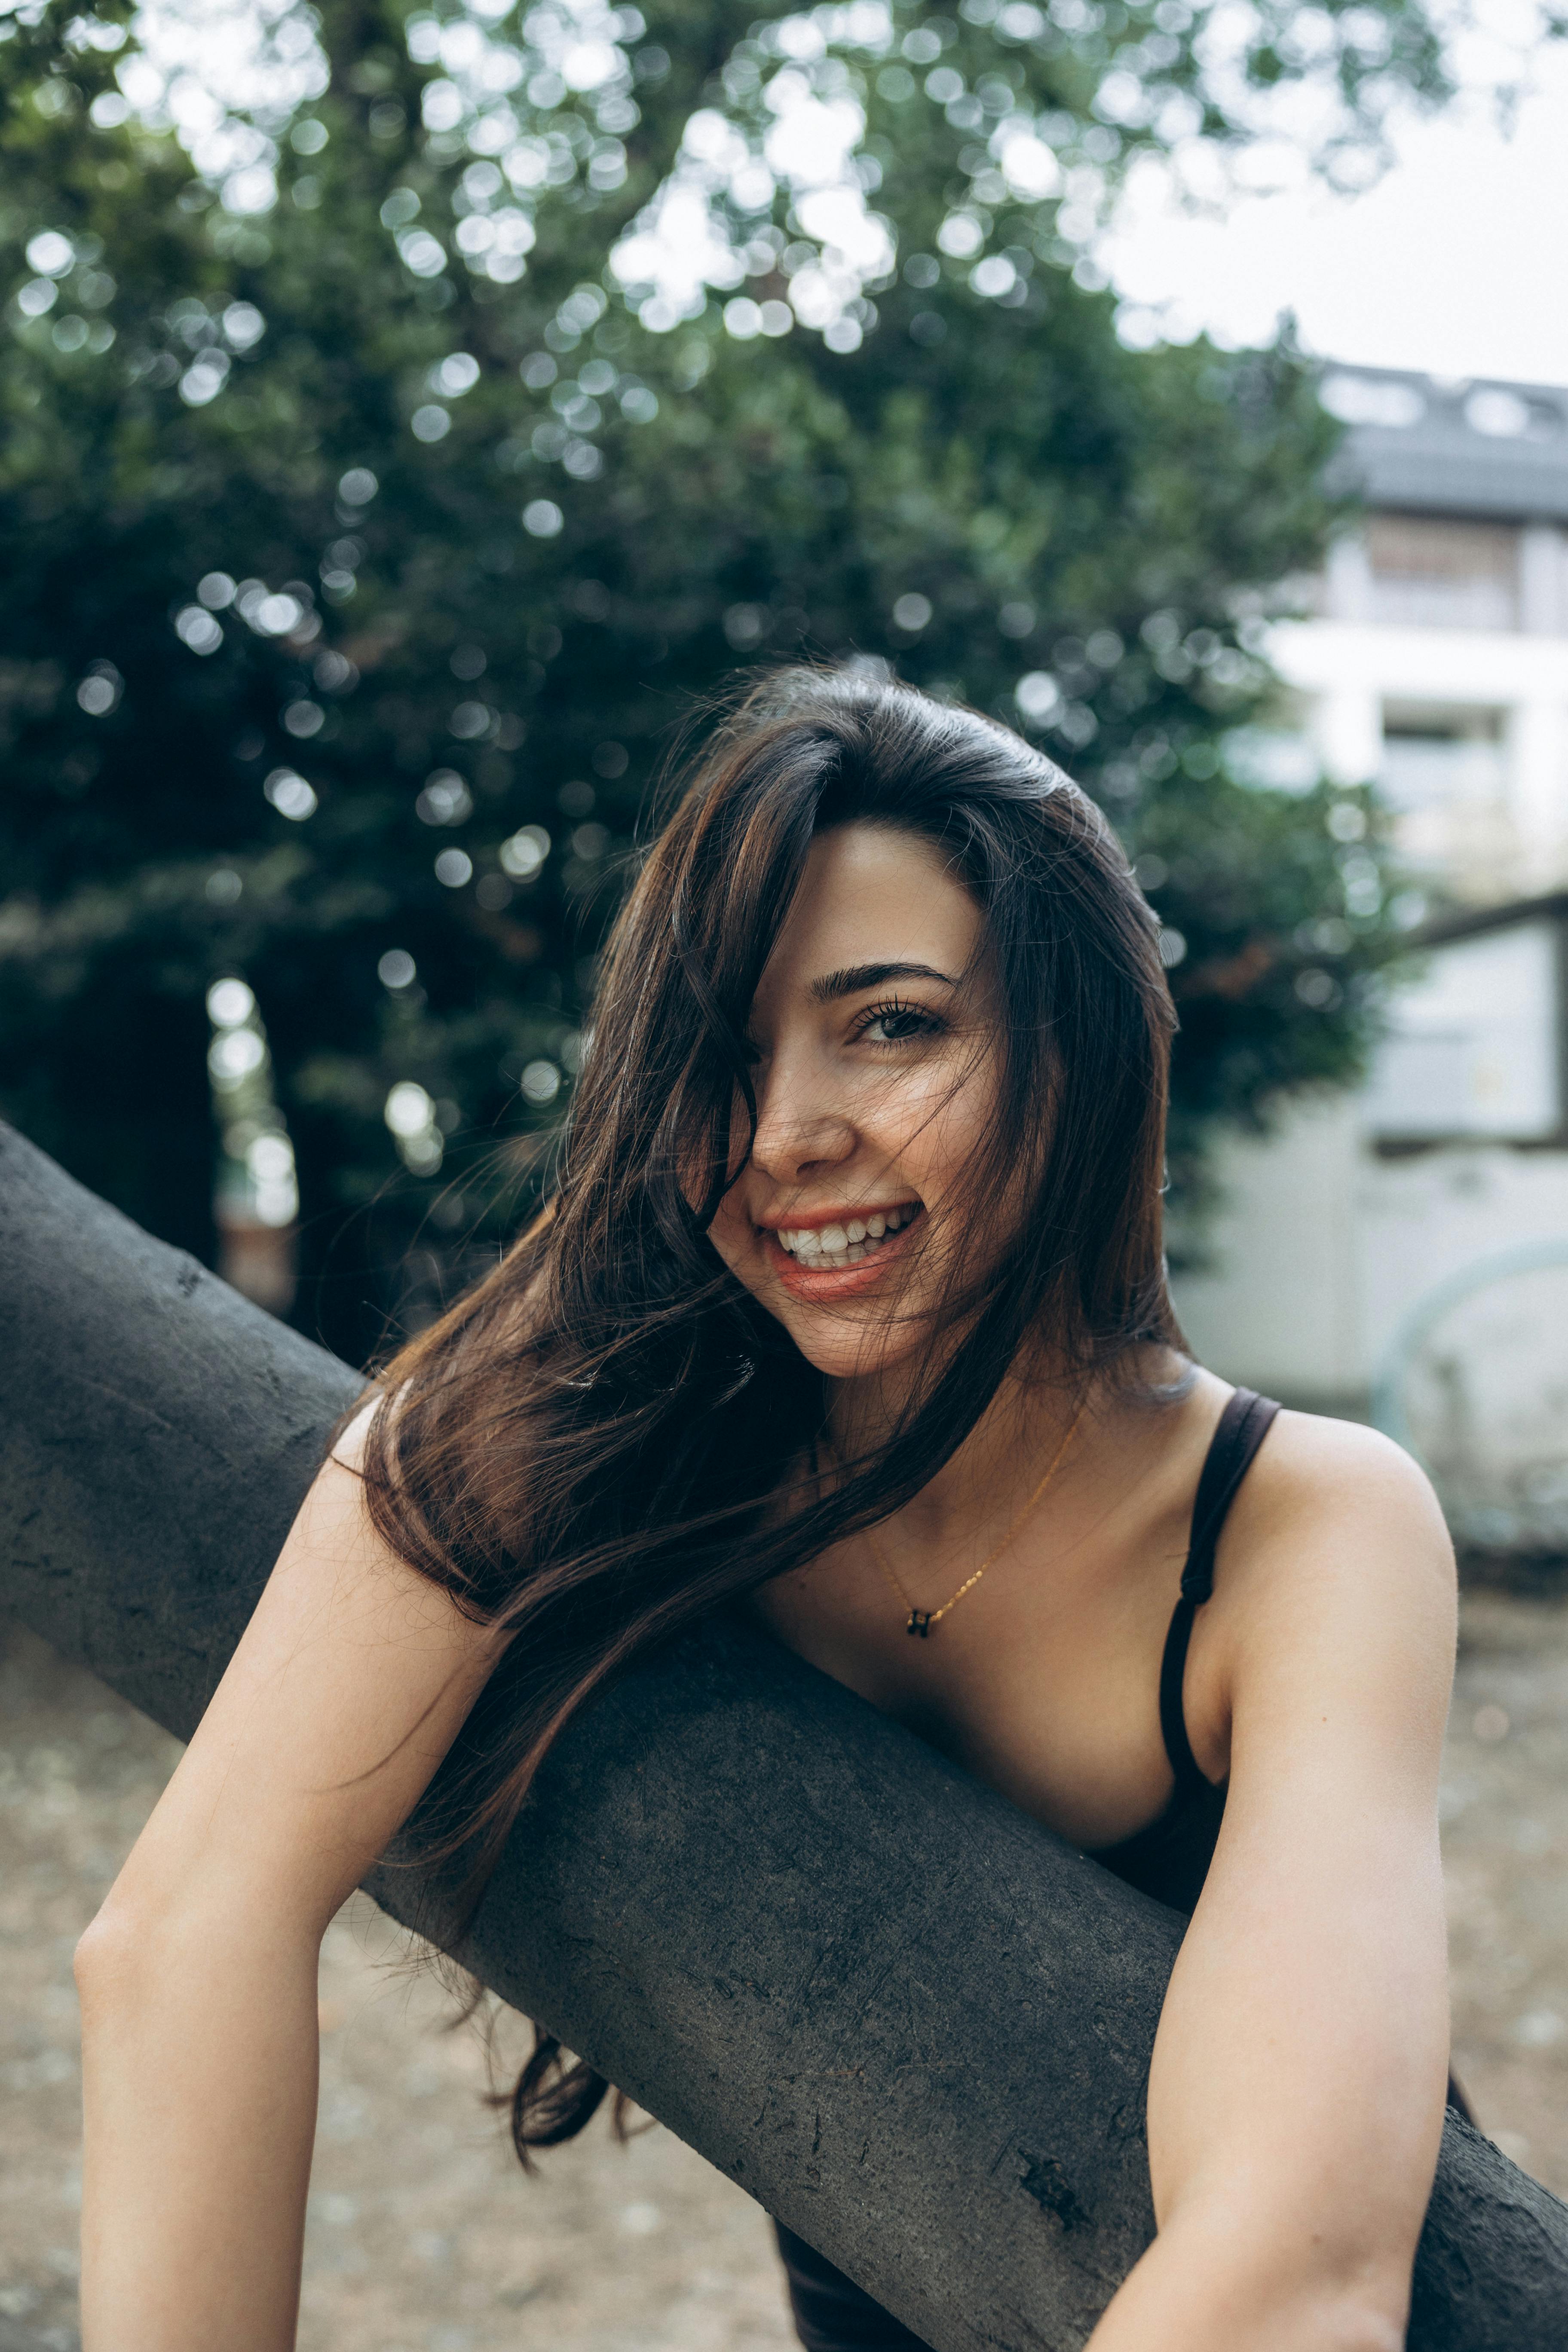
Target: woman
point(849, 1311)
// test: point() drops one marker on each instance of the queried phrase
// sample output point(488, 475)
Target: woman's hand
point(1296, 2095)
point(198, 1976)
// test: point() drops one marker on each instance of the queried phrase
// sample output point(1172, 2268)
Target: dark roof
point(1429, 444)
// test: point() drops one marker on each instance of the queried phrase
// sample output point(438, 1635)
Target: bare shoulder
point(349, 1684)
point(1336, 1543)
point(347, 1449)
point(1310, 1464)
point(1316, 1473)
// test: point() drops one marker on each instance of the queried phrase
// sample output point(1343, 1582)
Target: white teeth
point(845, 1244)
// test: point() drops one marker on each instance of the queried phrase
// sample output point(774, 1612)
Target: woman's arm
point(198, 1975)
point(1296, 2095)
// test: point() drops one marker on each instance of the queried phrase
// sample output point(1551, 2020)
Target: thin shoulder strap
point(1243, 1427)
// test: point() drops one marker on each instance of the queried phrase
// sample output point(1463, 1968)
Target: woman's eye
point(898, 1025)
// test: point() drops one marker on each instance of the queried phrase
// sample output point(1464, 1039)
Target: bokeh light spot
point(291, 795)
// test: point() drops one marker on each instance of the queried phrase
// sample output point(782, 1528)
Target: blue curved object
point(1387, 1391)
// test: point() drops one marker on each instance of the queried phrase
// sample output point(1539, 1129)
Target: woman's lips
point(809, 1283)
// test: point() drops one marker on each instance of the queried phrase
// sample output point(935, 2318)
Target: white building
point(1436, 662)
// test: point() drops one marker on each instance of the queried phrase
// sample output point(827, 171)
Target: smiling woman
point(879, 1068)
point(875, 1025)
point(854, 1261)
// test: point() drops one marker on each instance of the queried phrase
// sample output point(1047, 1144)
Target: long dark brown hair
point(590, 1448)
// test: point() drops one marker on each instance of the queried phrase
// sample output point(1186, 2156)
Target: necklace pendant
point(920, 1622)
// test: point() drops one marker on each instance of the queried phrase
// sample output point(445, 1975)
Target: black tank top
point(1169, 1858)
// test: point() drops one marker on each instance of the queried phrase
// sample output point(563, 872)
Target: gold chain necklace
point(920, 1622)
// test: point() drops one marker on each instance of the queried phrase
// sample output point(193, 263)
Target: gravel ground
point(1505, 1846)
point(424, 2238)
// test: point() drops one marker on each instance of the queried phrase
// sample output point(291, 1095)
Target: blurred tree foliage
point(364, 532)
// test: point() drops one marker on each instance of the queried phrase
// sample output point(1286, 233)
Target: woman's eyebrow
point(854, 977)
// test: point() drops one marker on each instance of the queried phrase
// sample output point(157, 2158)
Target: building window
point(1442, 759)
point(1436, 571)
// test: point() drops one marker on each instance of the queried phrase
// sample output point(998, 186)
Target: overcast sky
point(1457, 262)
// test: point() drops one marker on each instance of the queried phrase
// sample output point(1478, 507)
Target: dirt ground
point(424, 2237)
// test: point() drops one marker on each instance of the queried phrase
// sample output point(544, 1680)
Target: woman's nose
point(798, 1125)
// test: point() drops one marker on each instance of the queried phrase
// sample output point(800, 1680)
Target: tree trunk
point(906, 2018)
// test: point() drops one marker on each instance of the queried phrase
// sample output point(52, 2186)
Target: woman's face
point(875, 1076)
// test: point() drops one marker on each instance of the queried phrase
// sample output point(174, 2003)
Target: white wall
point(1279, 1312)
point(1323, 1249)
point(1426, 1219)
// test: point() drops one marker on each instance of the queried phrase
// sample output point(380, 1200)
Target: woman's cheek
point(944, 1130)
point(728, 1234)
point(962, 1113)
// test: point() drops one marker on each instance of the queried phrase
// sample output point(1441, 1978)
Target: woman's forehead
point(871, 895)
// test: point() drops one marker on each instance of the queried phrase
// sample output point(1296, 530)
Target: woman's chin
point(836, 1348)
point(844, 1339)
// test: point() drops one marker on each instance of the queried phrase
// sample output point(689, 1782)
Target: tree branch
point(903, 2016)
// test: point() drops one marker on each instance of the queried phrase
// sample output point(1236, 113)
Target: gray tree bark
point(906, 2018)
